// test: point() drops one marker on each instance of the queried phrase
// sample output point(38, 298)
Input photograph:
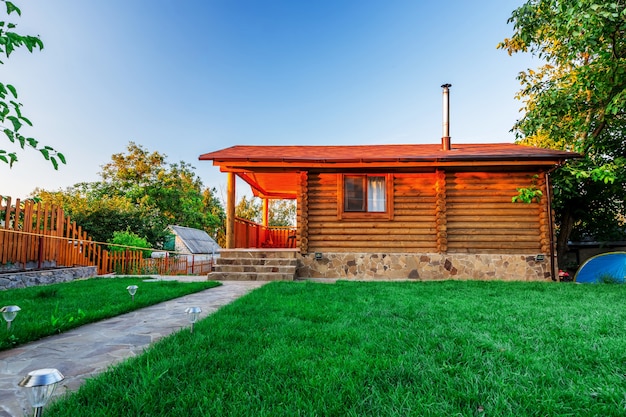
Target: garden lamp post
point(193, 313)
point(132, 289)
point(40, 386)
point(9, 313)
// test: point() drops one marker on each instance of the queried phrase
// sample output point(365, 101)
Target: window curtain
point(376, 196)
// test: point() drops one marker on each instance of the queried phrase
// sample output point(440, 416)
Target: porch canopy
point(271, 171)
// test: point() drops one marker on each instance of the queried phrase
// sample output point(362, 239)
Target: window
point(364, 193)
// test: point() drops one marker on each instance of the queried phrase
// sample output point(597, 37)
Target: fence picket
point(35, 233)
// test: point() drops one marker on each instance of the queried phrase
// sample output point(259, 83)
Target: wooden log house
point(407, 211)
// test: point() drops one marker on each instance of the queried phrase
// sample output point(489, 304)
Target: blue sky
point(190, 77)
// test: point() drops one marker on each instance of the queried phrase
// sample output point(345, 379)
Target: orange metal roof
point(271, 170)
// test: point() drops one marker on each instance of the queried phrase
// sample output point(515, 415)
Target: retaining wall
point(42, 277)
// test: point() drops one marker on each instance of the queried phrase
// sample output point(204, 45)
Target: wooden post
point(17, 238)
point(230, 211)
point(265, 232)
point(302, 215)
point(40, 254)
point(266, 212)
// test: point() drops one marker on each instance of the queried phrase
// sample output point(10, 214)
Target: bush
point(128, 240)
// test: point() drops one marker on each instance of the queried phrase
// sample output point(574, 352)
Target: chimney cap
point(446, 85)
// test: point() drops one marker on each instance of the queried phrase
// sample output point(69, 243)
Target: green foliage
point(172, 190)
point(11, 118)
point(527, 195)
point(576, 101)
point(140, 191)
point(60, 321)
point(281, 212)
point(216, 216)
point(100, 213)
point(12, 341)
point(128, 240)
point(250, 209)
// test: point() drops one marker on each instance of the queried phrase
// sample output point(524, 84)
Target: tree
point(217, 226)
point(11, 118)
point(143, 193)
point(101, 215)
point(576, 101)
point(250, 209)
point(147, 178)
point(281, 212)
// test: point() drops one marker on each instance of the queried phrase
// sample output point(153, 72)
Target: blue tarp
point(606, 267)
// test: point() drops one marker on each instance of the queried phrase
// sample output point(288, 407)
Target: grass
point(382, 349)
point(50, 309)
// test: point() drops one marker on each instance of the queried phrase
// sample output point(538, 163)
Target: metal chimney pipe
point(445, 139)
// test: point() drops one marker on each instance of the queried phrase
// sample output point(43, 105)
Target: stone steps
point(255, 265)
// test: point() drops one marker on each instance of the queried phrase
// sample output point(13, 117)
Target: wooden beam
point(230, 211)
point(266, 212)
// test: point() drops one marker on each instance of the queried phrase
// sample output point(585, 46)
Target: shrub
point(128, 240)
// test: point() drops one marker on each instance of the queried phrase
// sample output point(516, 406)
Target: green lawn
point(50, 309)
point(382, 349)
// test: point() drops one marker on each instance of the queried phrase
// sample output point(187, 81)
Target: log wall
point(437, 212)
point(412, 229)
point(482, 219)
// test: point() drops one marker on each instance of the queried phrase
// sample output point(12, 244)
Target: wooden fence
point(133, 263)
point(33, 235)
point(39, 236)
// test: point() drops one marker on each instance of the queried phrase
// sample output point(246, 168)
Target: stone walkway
point(90, 349)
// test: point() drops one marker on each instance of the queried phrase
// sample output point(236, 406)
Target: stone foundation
point(423, 267)
point(42, 277)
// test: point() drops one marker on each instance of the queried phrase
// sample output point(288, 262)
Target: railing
point(253, 235)
point(37, 236)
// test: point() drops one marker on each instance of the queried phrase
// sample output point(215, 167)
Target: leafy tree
point(100, 215)
point(217, 221)
point(281, 212)
point(141, 192)
point(250, 209)
point(147, 178)
point(576, 101)
point(11, 118)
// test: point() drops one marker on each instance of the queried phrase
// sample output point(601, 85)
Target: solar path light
point(40, 386)
point(194, 313)
point(132, 289)
point(9, 313)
